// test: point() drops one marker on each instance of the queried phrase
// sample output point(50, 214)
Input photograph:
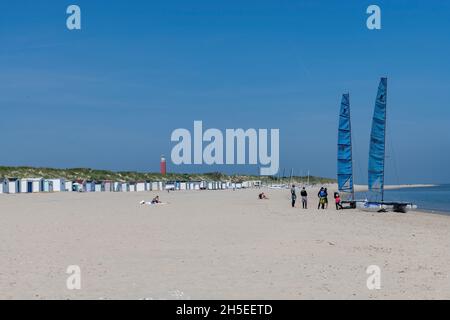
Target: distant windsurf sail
point(378, 142)
point(344, 157)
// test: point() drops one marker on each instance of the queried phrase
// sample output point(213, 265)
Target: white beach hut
point(124, 187)
point(53, 185)
point(132, 187)
point(194, 185)
point(98, 187)
point(89, 186)
point(13, 185)
point(107, 186)
point(68, 186)
point(31, 185)
point(3, 186)
point(141, 186)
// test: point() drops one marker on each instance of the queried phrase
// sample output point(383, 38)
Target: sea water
point(435, 199)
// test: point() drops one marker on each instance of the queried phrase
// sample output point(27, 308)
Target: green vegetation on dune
point(99, 175)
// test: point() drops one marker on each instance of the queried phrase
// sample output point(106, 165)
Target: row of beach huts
point(38, 185)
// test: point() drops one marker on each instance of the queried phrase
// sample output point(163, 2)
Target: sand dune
point(214, 245)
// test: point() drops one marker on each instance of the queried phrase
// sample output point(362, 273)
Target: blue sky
point(110, 95)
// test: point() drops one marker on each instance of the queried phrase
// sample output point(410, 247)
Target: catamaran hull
point(386, 207)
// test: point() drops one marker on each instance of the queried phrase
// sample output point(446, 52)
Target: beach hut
point(141, 186)
point(183, 185)
point(154, 186)
point(194, 185)
point(132, 187)
point(54, 185)
point(124, 187)
point(13, 185)
point(60, 185)
point(3, 186)
point(107, 186)
point(117, 186)
point(47, 186)
point(98, 186)
point(31, 185)
point(89, 186)
point(68, 186)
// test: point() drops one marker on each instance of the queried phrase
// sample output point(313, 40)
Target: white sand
point(215, 244)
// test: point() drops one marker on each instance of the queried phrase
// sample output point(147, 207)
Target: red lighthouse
point(163, 166)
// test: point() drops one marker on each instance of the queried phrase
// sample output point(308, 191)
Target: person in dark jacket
point(293, 196)
point(304, 195)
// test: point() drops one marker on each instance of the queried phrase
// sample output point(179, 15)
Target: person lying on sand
point(262, 196)
point(155, 200)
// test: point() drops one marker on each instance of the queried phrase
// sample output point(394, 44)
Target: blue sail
point(344, 157)
point(378, 141)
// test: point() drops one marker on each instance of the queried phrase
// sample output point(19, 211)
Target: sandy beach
point(215, 245)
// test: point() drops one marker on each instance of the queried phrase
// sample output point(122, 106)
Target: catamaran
point(377, 155)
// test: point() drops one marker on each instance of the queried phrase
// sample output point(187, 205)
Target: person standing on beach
point(337, 200)
point(321, 195)
point(293, 196)
point(326, 198)
point(304, 195)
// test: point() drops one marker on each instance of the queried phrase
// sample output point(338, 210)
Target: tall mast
point(351, 146)
point(385, 128)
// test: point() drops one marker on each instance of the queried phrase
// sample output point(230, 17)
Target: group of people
point(322, 195)
point(303, 194)
point(323, 199)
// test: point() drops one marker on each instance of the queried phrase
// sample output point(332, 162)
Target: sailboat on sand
point(344, 155)
point(377, 156)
